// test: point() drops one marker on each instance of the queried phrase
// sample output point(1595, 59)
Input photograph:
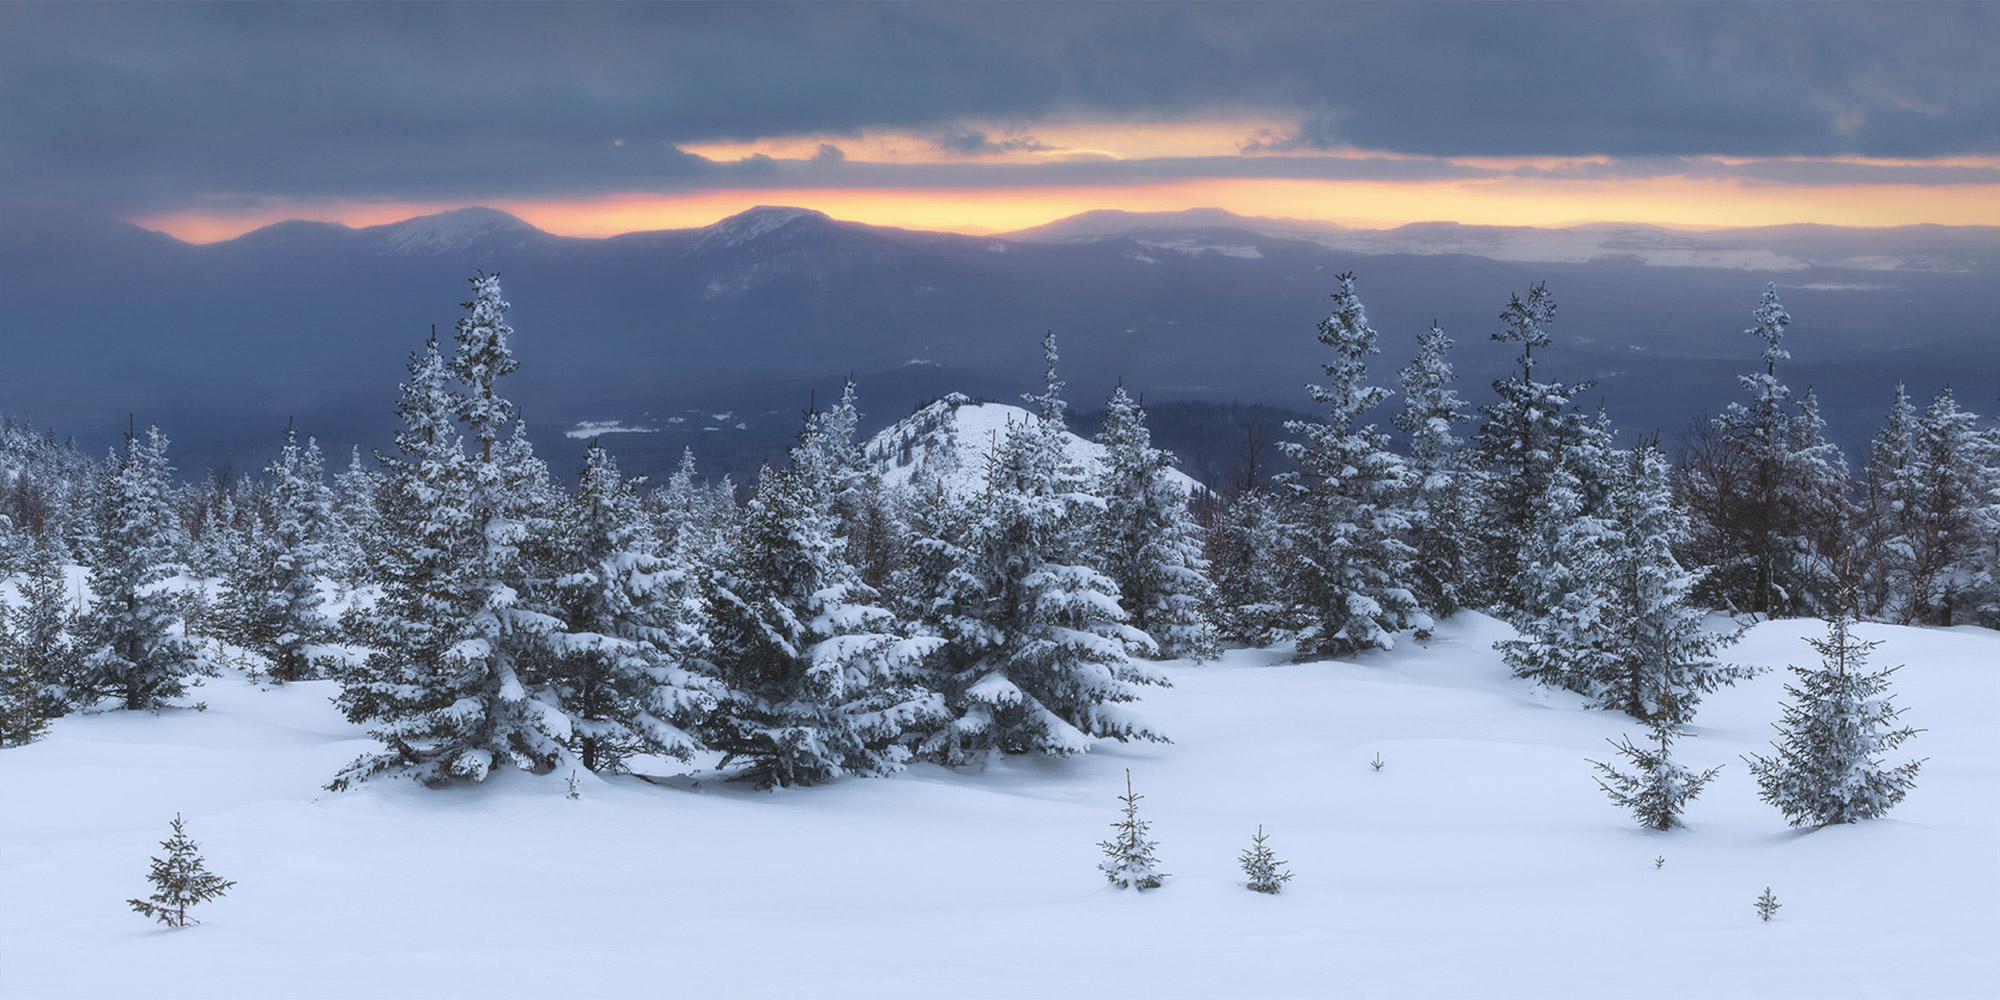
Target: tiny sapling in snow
point(1767, 904)
point(1263, 867)
point(1377, 762)
point(1129, 862)
point(179, 881)
point(573, 794)
point(1659, 862)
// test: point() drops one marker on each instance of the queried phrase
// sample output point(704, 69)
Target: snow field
point(1480, 861)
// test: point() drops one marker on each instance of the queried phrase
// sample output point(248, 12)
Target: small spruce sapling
point(1263, 867)
point(1377, 762)
point(1828, 767)
point(179, 881)
point(1661, 789)
point(1767, 904)
point(1129, 862)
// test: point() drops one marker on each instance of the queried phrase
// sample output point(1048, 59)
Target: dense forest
point(478, 614)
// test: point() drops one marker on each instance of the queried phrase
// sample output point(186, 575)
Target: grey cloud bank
point(125, 107)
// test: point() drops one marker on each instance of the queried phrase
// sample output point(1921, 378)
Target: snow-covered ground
point(1480, 861)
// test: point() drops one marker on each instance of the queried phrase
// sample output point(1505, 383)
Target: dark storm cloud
point(150, 104)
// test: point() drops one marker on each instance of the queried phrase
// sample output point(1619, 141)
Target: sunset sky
point(592, 119)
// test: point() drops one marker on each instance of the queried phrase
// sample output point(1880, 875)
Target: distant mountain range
point(719, 336)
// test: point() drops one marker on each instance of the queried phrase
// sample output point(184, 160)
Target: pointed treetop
point(1771, 322)
point(1349, 322)
point(1527, 323)
point(1050, 403)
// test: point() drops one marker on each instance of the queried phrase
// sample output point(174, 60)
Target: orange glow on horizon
point(1672, 201)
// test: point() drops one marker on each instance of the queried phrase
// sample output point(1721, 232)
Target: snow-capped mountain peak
point(449, 231)
point(746, 226)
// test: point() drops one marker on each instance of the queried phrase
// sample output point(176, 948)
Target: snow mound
point(1479, 861)
point(950, 438)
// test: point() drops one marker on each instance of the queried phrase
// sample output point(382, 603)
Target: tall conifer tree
point(1146, 538)
point(1349, 589)
point(129, 639)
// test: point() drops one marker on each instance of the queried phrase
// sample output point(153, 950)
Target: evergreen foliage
point(130, 648)
point(24, 715)
point(40, 637)
point(1130, 858)
point(1659, 788)
point(1621, 628)
point(1036, 654)
point(1248, 554)
point(293, 557)
point(1828, 765)
point(1147, 540)
point(1947, 503)
point(820, 680)
point(1767, 905)
point(1262, 867)
point(180, 880)
point(1443, 494)
point(626, 663)
point(1772, 500)
point(448, 689)
point(1528, 432)
point(358, 512)
point(1349, 586)
point(1887, 512)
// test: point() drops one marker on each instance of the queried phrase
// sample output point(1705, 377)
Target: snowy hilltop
point(949, 440)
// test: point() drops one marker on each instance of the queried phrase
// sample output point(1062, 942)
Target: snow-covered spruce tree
point(819, 681)
point(1130, 858)
point(1663, 654)
point(1659, 788)
point(1887, 517)
point(209, 551)
point(24, 713)
point(1948, 500)
point(1349, 584)
point(444, 690)
point(294, 557)
point(1528, 431)
point(1247, 556)
point(246, 611)
point(1147, 540)
point(357, 509)
point(1757, 581)
point(128, 639)
point(1621, 627)
point(1821, 513)
point(1983, 587)
point(863, 515)
point(1442, 492)
point(1036, 655)
point(696, 518)
point(41, 630)
point(621, 662)
point(1262, 867)
point(1828, 765)
point(1565, 645)
point(180, 880)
